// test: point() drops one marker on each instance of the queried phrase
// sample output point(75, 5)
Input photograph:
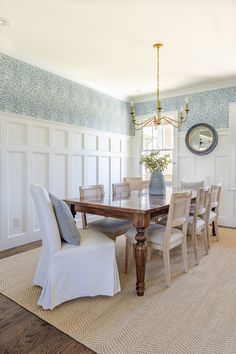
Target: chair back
point(215, 196)
point(204, 180)
point(47, 220)
point(120, 190)
point(201, 205)
point(92, 192)
point(95, 192)
point(191, 184)
point(144, 185)
point(134, 182)
point(202, 199)
point(178, 214)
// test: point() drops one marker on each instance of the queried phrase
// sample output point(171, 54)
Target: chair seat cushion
point(66, 223)
point(156, 235)
point(199, 226)
point(132, 232)
point(110, 226)
point(212, 216)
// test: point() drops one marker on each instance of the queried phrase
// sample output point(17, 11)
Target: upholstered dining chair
point(112, 227)
point(137, 183)
point(213, 210)
point(134, 182)
point(197, 222)
point(165, 238)
point(66, 271)
point(120, 190)
point(197, 180)
point(174, 234)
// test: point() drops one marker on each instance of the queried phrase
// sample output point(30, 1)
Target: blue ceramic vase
point(157, 183)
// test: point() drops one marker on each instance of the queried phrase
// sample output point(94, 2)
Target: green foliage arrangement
point(154, 161)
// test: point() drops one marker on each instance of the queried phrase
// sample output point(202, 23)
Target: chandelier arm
point(139, 128)
point(170, 119)
point(146, 120)
point(173, 122)
point(144, 124)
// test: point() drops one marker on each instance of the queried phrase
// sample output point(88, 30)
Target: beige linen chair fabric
point(134, 182)
point(112, 227)
point(137, 183)
point(189, 178)
point(191, 185)
point(213, 209)
point(197, 223)
point(120, 190)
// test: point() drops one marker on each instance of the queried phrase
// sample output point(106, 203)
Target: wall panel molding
point(58, 156)
point(215, 167)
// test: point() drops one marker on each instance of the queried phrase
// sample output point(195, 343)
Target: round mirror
point(201, 139)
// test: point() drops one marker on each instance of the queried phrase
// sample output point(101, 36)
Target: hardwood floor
point(22, 332)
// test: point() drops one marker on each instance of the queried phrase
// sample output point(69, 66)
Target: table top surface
point(136, 201)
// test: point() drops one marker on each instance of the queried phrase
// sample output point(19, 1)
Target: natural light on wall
point(160, 138)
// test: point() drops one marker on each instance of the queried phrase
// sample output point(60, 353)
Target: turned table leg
point(213, 229)
point(140, 258)
point(72, 209)
point(213, 226)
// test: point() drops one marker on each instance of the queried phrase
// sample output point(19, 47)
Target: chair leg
point(216, 230)
point(194, 241)
point(205, 238)
point(149, 253)
point(208, 236)
point(128, 247)
point(166, 260)
point(185, 255)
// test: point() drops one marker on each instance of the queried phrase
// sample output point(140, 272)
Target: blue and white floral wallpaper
point(210, 107)
point(28, 90)
point(31, 91)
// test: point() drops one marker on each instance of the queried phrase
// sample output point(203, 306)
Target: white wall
point(218, 166)
point(58, 156)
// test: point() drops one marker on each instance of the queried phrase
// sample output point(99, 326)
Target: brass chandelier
point(158, 118)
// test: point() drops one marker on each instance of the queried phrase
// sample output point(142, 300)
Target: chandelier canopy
point(158, 118)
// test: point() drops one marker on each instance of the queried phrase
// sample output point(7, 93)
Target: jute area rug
point(196, 315)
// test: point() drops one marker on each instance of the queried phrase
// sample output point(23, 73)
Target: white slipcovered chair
point(67, 271)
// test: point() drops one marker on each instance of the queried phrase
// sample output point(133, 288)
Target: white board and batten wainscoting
point(218, 166)
point(60, 157)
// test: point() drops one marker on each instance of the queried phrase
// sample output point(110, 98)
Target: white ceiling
point(107, 44)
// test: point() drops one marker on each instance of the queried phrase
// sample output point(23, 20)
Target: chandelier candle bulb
point(186, 105)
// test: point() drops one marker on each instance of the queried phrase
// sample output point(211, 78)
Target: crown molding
point(185, 91)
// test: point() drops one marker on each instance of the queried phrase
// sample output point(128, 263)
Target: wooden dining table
point(139, 208)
